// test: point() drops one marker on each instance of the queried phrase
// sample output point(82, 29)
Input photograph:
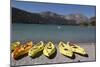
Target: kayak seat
point(62, 45)
point(65, 49)
point(49, 47)
point(74, 47)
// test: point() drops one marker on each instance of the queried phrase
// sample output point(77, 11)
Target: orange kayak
point(22, 50)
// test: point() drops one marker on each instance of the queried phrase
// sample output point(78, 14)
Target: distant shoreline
point(58, 24)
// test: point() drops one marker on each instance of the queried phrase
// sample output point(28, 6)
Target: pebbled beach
point(59, 58)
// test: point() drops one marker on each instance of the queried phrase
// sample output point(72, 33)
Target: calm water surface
point(53, 32)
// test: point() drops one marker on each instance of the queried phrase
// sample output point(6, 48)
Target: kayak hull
point(36, 50)
point(78, 50)
point(14, 45)
point(49, 52)
point(65, 50)
point(21, 51)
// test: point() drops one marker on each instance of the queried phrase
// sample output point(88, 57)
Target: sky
point(63, 9)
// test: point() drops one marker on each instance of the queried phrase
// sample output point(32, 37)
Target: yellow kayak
point(22, 50)
point(36, 49)
point(77, 49)
point(49, 49)
point(14, 45)
point(65, 49)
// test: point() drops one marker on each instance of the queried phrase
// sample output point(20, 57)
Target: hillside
point(21, 16)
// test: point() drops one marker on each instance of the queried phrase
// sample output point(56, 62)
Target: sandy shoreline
point(59, 58)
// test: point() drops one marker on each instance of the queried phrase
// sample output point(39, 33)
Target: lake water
point(53, 33)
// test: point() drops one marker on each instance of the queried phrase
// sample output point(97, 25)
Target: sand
point(59, 58)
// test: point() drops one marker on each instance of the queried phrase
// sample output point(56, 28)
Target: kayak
point(49, 49)
point(65, 49)
point(22, 50)
point(36, 49)
point(77, 49)
point(14, 45)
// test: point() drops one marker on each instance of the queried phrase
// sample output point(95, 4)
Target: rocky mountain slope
point(21, 16)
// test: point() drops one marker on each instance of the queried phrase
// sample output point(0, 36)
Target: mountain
point(53, 18)
point(21, 16)
point(79, 18)
point(93, 21)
